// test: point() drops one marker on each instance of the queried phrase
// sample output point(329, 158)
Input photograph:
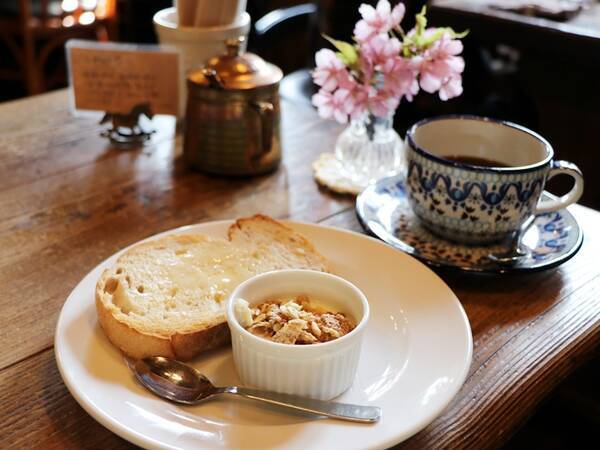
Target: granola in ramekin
point(293, 321)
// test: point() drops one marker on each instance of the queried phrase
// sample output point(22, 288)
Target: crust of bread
point(138, 344)
point(214, 333)
point(132, 342)
point(188, 345)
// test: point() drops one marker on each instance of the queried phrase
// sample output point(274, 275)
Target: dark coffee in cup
point(475, 161)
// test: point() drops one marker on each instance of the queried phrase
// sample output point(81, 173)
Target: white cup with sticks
point(198, 29)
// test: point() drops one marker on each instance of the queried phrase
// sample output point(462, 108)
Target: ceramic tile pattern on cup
point(385, 211)
point(463, 203)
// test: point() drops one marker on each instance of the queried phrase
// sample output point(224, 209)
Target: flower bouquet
point(365, 81)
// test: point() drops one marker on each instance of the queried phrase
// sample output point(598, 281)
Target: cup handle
point(568, 168)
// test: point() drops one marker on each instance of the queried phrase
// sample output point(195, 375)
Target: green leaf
point(421, 21)
point(437, 34)
point(456, 35)
point(418, 41)
point(426, 41)
point(347, 52)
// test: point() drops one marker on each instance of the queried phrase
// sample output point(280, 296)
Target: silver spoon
point(180, 383)
point(515, 252)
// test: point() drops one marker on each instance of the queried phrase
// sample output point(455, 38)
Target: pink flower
point(379, 50)
point(451, 88)
point(440, 65)
point(330, 73)
point(383, 103)
point(358, 99)
point(333, 105)
point(388, 68)
point(400, 77)
point(378, 20)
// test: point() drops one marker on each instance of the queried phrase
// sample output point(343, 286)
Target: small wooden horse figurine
point(126, 127)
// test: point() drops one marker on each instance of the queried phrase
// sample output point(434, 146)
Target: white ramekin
point(320, 371)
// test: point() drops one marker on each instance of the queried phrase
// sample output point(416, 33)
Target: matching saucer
point(383, 210)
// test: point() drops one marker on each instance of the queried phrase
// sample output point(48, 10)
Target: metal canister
point(232, 116)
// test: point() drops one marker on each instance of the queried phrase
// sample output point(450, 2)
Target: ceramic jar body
point(233, 132)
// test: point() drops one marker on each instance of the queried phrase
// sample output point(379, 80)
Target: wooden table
point(67, 201)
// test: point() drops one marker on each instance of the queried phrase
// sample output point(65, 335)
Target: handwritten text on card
point(116, 80)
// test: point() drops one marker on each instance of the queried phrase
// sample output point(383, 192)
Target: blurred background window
point(32, 37)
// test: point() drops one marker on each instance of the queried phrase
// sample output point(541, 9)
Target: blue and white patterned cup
point(479, 204)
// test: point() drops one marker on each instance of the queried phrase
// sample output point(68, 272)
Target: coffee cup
point(477, 180)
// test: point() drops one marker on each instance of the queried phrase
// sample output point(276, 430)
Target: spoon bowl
point(171, 379)
point(175, 381)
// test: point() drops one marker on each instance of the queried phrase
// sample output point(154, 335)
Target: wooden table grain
point(67, 201)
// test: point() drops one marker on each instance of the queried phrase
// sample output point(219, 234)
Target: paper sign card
point(116, 77)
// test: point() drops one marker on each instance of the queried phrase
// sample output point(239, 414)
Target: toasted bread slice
point(167, 297)
point(278, 246)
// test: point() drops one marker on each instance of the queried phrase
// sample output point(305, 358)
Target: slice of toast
point(278, 246)
point(167, 297)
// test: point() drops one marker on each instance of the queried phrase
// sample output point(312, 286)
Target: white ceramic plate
point(415, 357)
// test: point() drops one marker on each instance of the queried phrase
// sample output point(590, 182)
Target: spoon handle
point(515, 252)
point(343, 411)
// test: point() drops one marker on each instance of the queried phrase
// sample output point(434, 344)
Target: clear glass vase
point(369, 149)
